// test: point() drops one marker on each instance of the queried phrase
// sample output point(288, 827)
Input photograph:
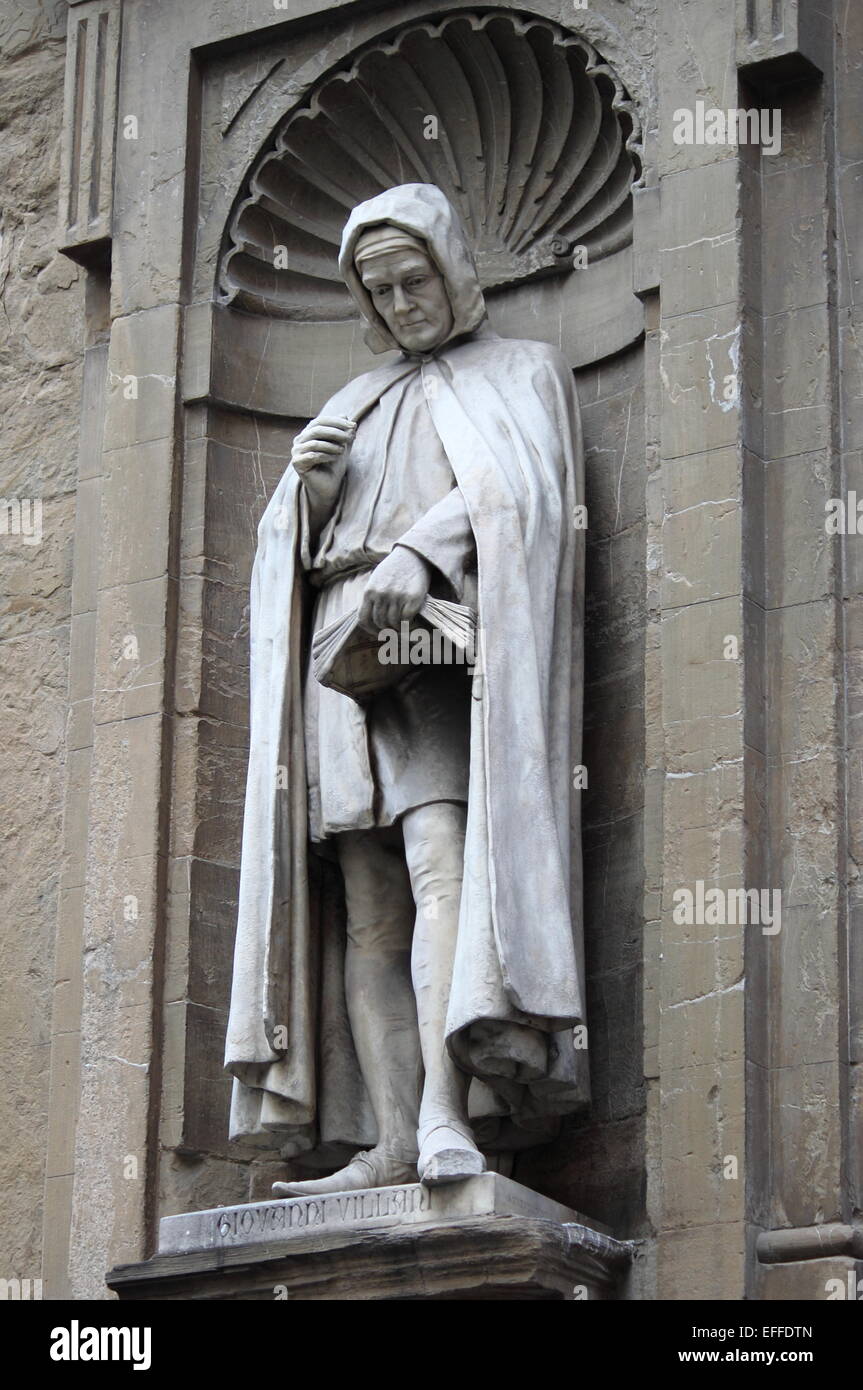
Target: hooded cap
point(423, 211)
point(381, 241)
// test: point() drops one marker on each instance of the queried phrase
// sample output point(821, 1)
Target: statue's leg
point(378, 985)
point(381, 1009)
point(434, 848)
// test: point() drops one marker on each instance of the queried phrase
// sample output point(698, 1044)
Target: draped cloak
point(507, 416)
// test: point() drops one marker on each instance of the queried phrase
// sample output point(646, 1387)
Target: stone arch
point(525, 127)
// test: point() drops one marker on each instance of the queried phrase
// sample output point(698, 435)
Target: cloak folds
point(507, 416)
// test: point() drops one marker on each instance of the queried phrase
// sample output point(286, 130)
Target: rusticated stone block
point(704, 1263)
point(694, 54)
point(702, 683)
point(699, 237)
point(130, 650)
point(797, 407)
point(703, 1173)
point(136, 493)
point(701, 530)
point(805, 1147)
point(699, 370)
point(838, 1278)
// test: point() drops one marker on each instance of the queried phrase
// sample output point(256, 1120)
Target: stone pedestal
point(487, 1238)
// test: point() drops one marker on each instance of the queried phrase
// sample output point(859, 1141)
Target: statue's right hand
point(323, 440)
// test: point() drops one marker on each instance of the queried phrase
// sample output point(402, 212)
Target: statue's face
point(408, 292)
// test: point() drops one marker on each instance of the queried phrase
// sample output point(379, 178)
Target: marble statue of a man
point(444, 1014)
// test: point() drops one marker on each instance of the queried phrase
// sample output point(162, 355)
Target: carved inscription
point(301, 1213)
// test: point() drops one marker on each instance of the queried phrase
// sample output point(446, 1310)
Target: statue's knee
point(436, 881)
point(436, 887)
point(434, 849)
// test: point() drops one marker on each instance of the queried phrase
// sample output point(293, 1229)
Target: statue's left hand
point(396, 591)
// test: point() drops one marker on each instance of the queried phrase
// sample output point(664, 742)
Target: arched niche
point(264, 347)
point(524, 126)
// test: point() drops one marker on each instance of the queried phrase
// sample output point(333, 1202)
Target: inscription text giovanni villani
point(338, 1209)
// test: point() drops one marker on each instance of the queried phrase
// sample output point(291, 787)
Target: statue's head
point(406, 259)
point(405, 287)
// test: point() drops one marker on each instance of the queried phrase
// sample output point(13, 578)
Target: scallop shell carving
point(521, 124)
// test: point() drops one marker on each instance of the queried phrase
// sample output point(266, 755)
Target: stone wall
point(721, 398)
point(41, 340)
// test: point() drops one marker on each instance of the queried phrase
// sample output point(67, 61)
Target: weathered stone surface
point(135, 517)
point(698, 368)
point(89, 128)
point(785, 41)
point(806, 1144)
point(141, 378)
point(190, 1183)
point(701, 534)
point(613, 423)
point(799, 556)
point(40, 378)
point(729, 771)
point(491, 1258)
point(227, 1228)
point(703, 1263)
point(794, 215)
point(796, 382)
point(130, 650)
point(703, 1155)
point(87, 525)
point(699, 237)
point(694, 56)
point(702, 680)
point(838, 1279)
point(607, 1180)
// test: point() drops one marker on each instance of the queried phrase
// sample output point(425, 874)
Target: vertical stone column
point(749, 1132)
point(134, 606)
point(646, 283)
point(849, 296)
point(701, 645)
point(795, 989)
point(68, 964)
point(84, 216)
point(797, 981)
point(125, 863)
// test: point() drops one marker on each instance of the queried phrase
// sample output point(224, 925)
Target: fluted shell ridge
point(523, 126)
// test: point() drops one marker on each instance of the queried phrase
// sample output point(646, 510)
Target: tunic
point(367, 765)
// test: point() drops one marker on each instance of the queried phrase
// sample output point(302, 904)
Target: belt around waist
point(323, 581)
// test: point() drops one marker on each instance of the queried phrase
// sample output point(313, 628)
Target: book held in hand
point(357, 663)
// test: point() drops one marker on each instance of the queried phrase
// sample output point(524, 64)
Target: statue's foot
point(377, 1167)
point(448, 1154)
